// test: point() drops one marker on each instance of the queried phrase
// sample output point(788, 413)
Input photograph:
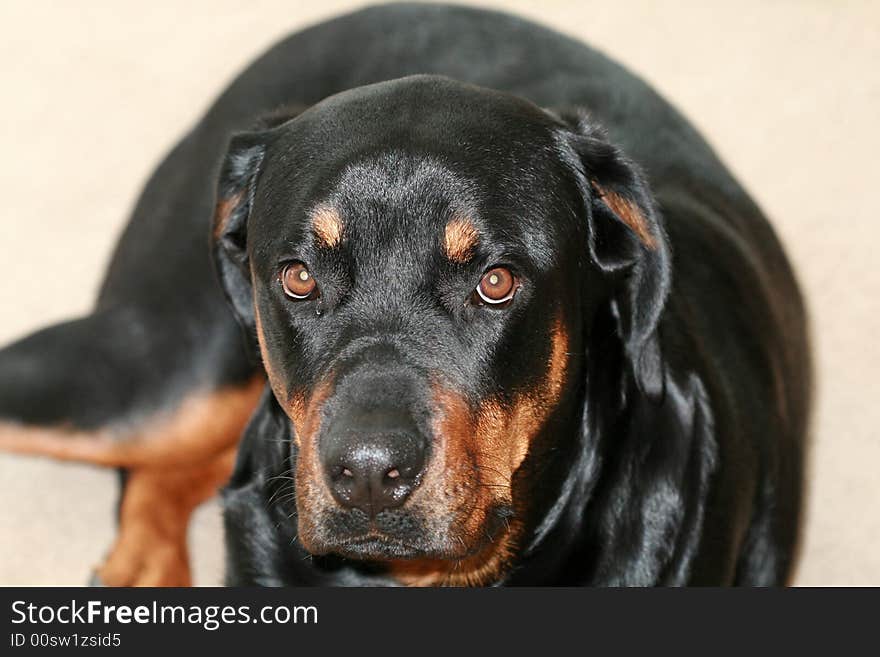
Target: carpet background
point(788, 92)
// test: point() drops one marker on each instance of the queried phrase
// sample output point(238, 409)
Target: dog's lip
point(375, 546)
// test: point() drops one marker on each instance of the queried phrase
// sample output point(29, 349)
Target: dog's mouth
point(378, 547)
point(404, 538)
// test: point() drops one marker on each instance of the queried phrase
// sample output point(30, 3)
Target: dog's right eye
point(298, 282)
point(497, 287)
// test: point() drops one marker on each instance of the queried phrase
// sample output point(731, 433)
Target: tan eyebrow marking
point(327, 226)
point(460, 239)
point(629, 213)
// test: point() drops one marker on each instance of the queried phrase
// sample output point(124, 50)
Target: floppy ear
point(235, 195)
point(626, 242)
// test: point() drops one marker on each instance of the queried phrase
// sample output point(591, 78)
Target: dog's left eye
point(497, 287)
point(298, 282)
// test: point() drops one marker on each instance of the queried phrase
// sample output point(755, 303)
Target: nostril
point(340, 472)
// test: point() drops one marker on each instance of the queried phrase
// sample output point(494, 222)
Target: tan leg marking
point(151, 547)
point(174, 463)
point(200, 427)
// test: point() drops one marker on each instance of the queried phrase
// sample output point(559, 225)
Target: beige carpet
point(788, 91)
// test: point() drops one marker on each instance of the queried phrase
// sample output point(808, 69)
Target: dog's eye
point(298, 282)
point(497, 286)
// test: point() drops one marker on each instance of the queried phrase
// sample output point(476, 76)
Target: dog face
point(418, 261)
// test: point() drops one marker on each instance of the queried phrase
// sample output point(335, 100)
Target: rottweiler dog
point(507, 319)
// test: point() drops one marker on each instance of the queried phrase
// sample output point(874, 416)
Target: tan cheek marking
point(462, 453)
point(498, 439)
point(301, 408)
point(296, 411)
point(477, 570)
point(310, 494)
point(504, 434)
point(460, 239)
point(531, 411)
point(225, 208)
point(629, 213)
point(275, 382)
point(200, 427)
point(304, 410)
point(327, 226)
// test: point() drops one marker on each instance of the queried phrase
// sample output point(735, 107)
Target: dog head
point(420, 263)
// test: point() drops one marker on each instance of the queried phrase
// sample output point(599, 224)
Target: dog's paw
point(144, 563)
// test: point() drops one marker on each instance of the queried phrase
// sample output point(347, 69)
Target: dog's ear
point(236, 186)
point(626, 241)
point(235, 196)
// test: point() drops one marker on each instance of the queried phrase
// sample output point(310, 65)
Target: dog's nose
point(373, 470)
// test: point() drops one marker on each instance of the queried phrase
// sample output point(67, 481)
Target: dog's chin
point(380, 548)
point(375, 546)
point(399, 536)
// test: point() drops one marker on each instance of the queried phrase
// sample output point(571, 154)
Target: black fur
point(674, 455)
